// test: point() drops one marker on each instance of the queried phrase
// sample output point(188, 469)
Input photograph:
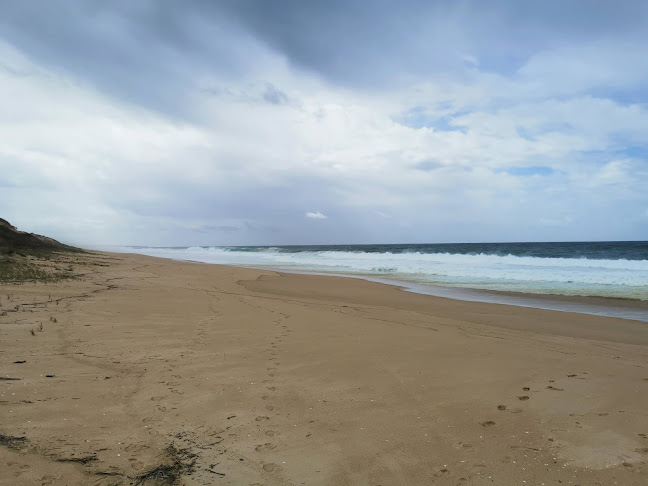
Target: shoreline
point(613, 307)
point(229, 375)
point(570, 269)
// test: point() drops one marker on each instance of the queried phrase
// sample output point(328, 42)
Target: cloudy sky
point(156, 122)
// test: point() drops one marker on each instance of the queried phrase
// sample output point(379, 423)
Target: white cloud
point(112, 172)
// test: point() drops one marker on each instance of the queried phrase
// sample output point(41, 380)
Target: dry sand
point(222, 375)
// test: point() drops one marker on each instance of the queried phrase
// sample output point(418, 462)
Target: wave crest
point(502, 272)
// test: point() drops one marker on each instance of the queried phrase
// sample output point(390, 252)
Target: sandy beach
point(151, 371)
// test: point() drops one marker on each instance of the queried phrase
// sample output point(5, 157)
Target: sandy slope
point(222, 375)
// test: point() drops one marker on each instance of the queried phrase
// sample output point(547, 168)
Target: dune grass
point(16, 269)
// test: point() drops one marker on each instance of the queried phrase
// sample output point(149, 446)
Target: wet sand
point(221, 375)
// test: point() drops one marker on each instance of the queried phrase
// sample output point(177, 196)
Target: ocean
point(599, 269)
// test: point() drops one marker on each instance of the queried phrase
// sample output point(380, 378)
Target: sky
point(265, 122)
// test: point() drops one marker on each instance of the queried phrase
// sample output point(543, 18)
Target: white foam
point(578, 276)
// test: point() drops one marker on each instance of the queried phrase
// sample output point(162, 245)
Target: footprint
point(501, 407)
point(271, 466)
point(270, 433)
point(488, 423)
point(261, 418)
point(523, 397)
point(269, 408)
point(136, 447)
point(265, 446)
point(271, 388)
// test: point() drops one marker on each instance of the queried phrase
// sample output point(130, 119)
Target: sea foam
point(570, 276)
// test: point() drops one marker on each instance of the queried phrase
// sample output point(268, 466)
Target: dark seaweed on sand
point(79, 460)
point(179, 462)
point(13, 442)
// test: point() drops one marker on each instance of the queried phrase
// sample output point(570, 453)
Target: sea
point(467, 271)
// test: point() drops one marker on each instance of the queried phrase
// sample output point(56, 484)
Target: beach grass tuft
point(17, 269)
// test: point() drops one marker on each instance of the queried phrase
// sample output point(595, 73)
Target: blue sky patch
point(541, 170)
point(636, 152)
point(418, 117)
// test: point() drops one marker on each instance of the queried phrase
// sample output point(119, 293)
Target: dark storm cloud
point(376, 43)
point(147, 52)
point(153, 52)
